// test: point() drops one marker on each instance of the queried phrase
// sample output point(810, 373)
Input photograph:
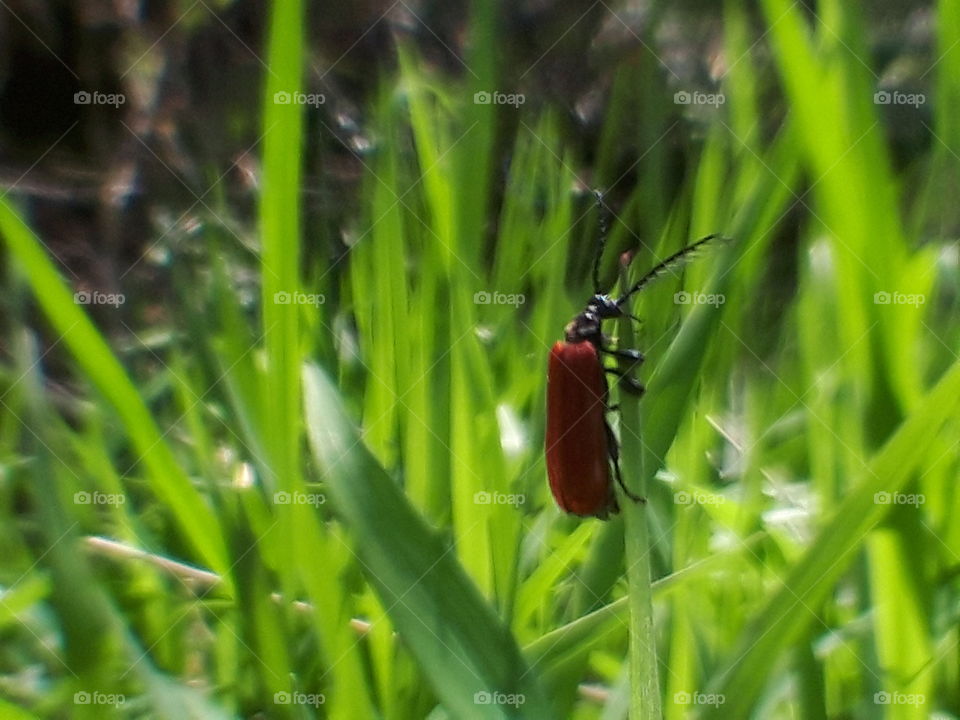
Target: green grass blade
point(168, 482)
point(574, 640)
point(12, 712)
point(645, 695)
point(462, 647)
point(786, 615)
point(280, 228)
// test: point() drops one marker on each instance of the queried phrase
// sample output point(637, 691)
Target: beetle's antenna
point(671, 263)
point(602, 241)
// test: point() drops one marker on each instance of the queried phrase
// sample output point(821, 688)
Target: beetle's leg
point(627, 382)
point(624, 371)
point(635, 355)
point(613, 450)
point(633, 358)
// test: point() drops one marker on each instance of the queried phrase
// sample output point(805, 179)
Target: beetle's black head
point(586, 325)
point(604, 306)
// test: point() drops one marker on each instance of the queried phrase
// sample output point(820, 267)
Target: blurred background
point(280, 283)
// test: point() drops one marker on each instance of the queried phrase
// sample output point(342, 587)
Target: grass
point(339, 509)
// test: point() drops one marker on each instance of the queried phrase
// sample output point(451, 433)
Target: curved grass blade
point(787, 614)
point(572, 642)
point(460, 644)
point(94, 357)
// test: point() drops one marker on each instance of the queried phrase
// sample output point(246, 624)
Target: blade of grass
point(462, 647)
point(280, 229)
point(279, 215)
point(98, 647)
point(576, 639)
point(167, 480)
point(645, 695)
point(309, 561)
point(12, 712)
point(784, 617)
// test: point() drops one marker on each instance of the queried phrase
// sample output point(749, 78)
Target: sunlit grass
point(366, 530)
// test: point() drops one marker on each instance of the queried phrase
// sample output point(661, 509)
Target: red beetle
point(578, 436)
point(580, 444)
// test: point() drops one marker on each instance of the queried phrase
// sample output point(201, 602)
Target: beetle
point(580, 444)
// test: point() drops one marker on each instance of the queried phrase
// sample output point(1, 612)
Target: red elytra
point(576, 442)
point(580, 445)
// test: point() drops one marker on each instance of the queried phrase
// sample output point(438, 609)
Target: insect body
point(580, 444)
point(578, 441)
